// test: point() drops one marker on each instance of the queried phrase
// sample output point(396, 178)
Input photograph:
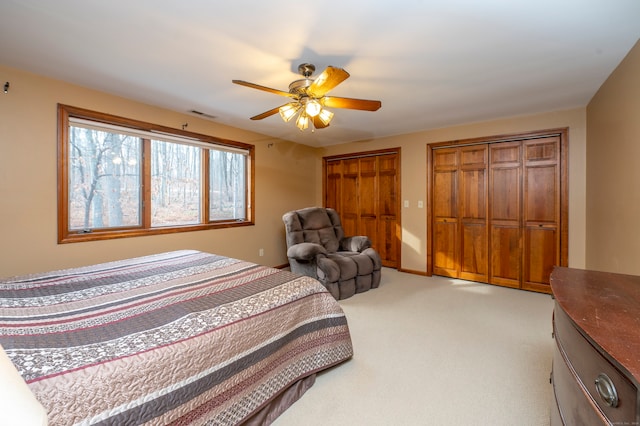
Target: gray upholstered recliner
point(317, 247)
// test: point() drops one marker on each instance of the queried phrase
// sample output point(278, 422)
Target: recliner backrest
point(314, 225)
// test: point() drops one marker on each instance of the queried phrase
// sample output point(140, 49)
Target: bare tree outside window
point(227, 185)
point(104, 179)
point(175, 184)
point(120, 177)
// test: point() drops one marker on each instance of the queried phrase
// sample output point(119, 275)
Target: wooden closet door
point(349, 202)
point(473, 213)
point(333, 185)
point(388, 215)
point(445, 213)
point(364, 190)
point(368, 199)
point(541, 211)
point(520, 181)
point(505, 213)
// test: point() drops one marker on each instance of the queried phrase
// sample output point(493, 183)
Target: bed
point(184, 337)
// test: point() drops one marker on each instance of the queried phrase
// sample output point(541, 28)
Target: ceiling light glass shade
point(312, 108)
point(303, 121)
point(325, 116)
point(288, 111)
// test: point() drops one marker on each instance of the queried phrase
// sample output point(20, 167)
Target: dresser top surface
point(606, 307)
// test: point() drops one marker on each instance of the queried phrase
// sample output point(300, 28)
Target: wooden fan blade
point(266, 89)
point(266, 114)
point(351, 103)
point(318, 124)
point(326, 81)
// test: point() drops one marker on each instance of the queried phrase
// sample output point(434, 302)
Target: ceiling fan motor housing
point(299, 87)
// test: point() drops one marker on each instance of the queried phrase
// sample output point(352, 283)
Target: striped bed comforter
point(184, 337)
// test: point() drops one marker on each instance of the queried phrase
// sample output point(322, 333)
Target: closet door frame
point(563, 133)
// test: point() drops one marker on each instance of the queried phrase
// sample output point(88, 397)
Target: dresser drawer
point(589, 365)
point(572, 405)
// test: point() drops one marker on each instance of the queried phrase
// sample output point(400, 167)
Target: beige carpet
point(437, 351)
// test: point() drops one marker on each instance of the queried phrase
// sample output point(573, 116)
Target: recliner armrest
point(305, 251)
point(357, 243)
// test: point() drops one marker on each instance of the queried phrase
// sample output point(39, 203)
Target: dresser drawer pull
point(607, 390)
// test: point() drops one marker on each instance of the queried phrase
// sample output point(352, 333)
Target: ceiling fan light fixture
point(288, 111)
point(308, 97)
point(303, 121)
point(312, 108)
point(325, 116)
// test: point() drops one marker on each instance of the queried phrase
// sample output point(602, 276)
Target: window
point(120, 178)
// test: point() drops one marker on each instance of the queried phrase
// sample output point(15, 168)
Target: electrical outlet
point(261, 252)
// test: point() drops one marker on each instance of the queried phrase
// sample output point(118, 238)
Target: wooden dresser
point(596, 362)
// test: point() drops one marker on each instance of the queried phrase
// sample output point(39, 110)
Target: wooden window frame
point(65, 235)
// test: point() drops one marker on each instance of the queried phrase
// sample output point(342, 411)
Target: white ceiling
point(432, 63)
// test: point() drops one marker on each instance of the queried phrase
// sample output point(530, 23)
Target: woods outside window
point(120, 178)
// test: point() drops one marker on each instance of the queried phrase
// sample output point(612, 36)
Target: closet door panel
point(388, 205)
point(506, 247)
point(545, 149)
point(368, 206)
point(333, 185)
point(446, 257)
point(446, 158)
point(473, 156)
point(506, 258)
point(350, 199)
point(541, 212)
point(387, 184)
point(389, 236)
point(505, 202)
point(445, 194)
point(388, 229)
point(540, 193)
point(473, 213)
point(505, 195)
point(368, 186)
point(445, 183)
point(445, 260)
point(540, 256)
point(474, 252)
point(474, 194)
point(445, 235)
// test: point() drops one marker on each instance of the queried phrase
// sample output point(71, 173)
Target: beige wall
point(604, 201)
point(414, 177)
point(285, 173)
point(28, 174)
point(613, 174)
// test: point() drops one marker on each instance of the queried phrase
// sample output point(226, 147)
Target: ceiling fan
point(309, 99)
